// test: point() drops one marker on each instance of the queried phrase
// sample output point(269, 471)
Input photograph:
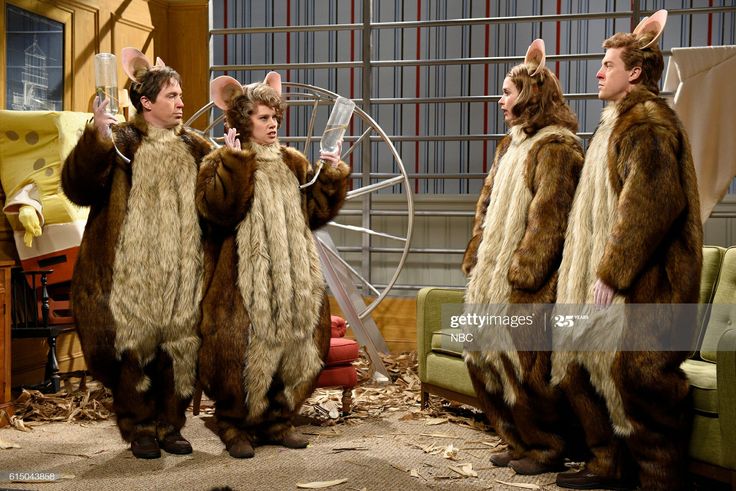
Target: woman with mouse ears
point(512, 258)
point(266, 319)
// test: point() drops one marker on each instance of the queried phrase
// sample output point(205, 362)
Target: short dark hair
point(151, 83)
point(649, 59)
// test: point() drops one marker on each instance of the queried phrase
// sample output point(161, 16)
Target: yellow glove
point(29, 218)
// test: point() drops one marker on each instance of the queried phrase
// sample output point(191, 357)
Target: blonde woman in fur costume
point(513, 257)
point(266, 320)
point(137, 284)
point(635, 237)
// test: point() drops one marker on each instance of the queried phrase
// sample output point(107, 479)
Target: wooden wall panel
point(94, 26)
point(396, 318)
point(188, 53)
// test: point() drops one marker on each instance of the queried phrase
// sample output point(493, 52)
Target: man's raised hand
point(102, 118)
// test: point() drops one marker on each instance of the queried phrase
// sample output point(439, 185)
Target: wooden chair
point(30, 319)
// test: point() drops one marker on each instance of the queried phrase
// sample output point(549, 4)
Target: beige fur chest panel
point(280, 281)
point(505, 220)
point(503, 229)
point(156, 287)
point(591, 220)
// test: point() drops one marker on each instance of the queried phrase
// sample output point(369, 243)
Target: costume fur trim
point(157, 273)
point(503, 230)
point(592, 217)
point(280, 279)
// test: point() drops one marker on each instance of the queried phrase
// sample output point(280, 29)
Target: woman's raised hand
point(231, 139)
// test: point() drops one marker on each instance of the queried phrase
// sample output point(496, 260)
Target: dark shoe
point(501, 459)
point(240, 448)
point(530, 467)
point(292, 439)
point(145, 447)
point(584, 479)
point(176, 444)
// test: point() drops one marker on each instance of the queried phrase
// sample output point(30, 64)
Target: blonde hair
point(243, 106)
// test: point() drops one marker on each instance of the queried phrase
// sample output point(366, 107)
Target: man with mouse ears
point(137, 284)
point(634, 237)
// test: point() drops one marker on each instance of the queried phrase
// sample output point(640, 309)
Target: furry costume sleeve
point(646, 176)
point(327, 195)
point(225, 185)
point(85, 176)
point(553, 174)
point(471, 251)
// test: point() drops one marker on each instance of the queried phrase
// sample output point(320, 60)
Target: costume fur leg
point(135, 409)
point(609, 456)
point(495, 408)
point(171, 407)
point(657, 401)
point(536, 409)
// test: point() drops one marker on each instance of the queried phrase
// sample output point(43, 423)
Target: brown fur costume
point(138, 280)
point(513, 258)
point(265, 332)
point(649, 251)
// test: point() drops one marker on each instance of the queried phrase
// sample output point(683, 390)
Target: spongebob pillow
point(33, 146)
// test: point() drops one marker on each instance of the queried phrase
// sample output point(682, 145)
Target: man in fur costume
point(266, 320)
point(634, 237)
point(513, 256)
point(137, 284)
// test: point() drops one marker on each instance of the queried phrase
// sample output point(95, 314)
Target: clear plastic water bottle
point(336, 124)
point(106, 80)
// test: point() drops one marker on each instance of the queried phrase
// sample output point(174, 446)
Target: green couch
point(711, 370)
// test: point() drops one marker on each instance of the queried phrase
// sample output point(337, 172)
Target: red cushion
point(344, 376)
point(342, 351)
point(339, 326)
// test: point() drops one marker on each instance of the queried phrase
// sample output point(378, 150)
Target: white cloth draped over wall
point(704, 82)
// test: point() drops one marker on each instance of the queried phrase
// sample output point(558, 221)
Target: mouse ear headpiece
point(135, 64)
point(535, 55)
point(223, 90)
point(654, 25)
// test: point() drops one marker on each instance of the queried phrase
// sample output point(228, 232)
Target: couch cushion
point(443, 342)
point(342, 376)
point(449, 372)
point(723, 313)
point(702, 378)
point(342, 351)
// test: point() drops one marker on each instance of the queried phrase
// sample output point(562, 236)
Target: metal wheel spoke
point(356, 193)
point(310, 128)
point(351, 269)
point(355, 144)
point(366, 231)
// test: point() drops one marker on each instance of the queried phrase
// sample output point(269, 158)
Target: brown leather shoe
point(502, 458)
point(527, 466)
point(584, 479)
point(240, 448)
point(145, 447)
point(176, 444)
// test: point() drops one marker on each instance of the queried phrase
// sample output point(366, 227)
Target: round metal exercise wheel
point(308, 104)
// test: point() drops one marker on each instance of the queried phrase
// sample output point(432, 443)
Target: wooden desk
point(5, 401)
